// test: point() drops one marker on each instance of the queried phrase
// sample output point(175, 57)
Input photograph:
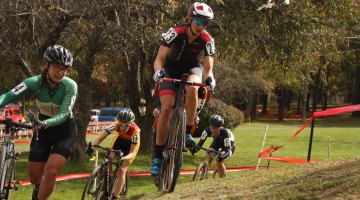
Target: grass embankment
point(285, 181)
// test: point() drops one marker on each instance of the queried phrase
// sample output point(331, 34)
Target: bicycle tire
point(3, 169)
point(91, 191)
point(174, 148)
point(9, 178)
point(201, 172)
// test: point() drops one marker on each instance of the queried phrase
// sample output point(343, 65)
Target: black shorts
point(215, 145)
point(167, 88)
point(58, 139)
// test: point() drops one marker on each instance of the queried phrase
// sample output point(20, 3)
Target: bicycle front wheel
point(174, 151)
point(3, 169)
point(95, 185)
point(9, 178)
point(201, 172)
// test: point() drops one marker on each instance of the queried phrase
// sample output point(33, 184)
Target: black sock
point(159, 151)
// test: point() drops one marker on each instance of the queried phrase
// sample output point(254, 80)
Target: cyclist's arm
point(101, 137)
point(203, 138)
point(135, 141)
point(66, 105)
point(160, 58)
point(28, 85)
point(208, 66)
point(104, 133)
point(228, 142)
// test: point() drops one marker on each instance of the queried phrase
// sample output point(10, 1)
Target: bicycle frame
point(103, 171)
point(8, 157)
point(175, 145)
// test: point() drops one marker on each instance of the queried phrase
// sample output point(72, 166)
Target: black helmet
point(58, 54)
point(125, 115)
point(216, 120)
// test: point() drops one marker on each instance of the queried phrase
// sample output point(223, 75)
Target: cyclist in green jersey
point(54, 95)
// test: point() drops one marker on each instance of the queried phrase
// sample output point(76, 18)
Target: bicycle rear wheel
point(95, 184)
point(201, 173)
point(174, 151)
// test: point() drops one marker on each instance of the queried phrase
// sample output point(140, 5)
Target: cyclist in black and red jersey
point(223, 139)
point(180, 53)
point(54, 95)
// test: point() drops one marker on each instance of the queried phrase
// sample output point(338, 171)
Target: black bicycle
point(101, 181)
point(175, 145)
point(8, 157)
point(202, 170)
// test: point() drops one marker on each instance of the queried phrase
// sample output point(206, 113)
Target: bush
point(232, 116)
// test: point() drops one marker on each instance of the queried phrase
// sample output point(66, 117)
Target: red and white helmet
point(201, 10)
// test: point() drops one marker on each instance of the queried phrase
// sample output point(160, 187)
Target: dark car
point(108, 114)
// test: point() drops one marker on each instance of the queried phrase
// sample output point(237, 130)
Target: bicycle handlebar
point(8, 121)
point(117, 152)
point(183, 82)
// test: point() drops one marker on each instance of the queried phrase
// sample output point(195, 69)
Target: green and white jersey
point(56, 103)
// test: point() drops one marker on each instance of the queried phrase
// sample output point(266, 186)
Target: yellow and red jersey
point(123, 141)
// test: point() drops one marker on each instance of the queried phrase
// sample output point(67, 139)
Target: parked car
point(108, 114)
point(13, 112)
point(94, 115)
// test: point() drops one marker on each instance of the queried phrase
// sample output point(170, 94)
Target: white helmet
point(201, 10)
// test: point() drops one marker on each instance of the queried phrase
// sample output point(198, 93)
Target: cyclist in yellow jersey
point(127, 140)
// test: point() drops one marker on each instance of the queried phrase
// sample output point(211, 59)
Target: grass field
point(342, 132)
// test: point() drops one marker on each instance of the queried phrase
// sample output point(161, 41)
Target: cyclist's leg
point(167, 99)
point(120, 181)
point(39, 153)
point(53, 165)
point(191, 102)
point(62, 139)
point(35, 170)
point(221, 168)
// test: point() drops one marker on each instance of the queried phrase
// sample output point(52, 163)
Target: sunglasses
point(200, 22)
point(124, 125)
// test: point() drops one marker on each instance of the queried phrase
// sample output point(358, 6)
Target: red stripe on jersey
point(180, 29)
point(205, 36)
point(133, 128)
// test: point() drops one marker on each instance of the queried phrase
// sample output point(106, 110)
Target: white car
point(94, 115)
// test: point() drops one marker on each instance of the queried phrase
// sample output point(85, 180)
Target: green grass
point(344, 142)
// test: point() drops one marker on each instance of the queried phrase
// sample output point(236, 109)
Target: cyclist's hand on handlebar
point(89, 151)
point(158, 75)
point(38, 124)
point(210, 81)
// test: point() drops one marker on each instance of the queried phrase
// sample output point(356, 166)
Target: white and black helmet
point(125, 115)
point(216, 120)
point(59, 55)
point(201, 10)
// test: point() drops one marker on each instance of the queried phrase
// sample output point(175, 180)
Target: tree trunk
point(281, 104)
point(264, 98)
point(85, 90)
